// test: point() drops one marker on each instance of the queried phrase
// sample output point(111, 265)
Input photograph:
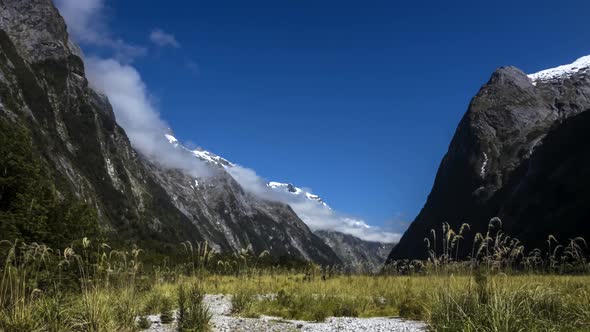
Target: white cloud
point(319, 217)
point(86, 22)
point(137, 115)
point(124, 87)
point(163, 39)
point(316, 215)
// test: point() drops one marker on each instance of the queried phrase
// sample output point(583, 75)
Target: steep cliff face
point(43, 86)
point(231, 218)
point(498, 153)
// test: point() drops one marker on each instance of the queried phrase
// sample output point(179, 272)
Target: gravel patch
point(222, 321)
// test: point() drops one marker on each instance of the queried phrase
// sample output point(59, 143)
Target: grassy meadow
point(89, 286)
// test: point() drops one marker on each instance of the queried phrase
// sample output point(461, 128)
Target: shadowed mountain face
point(520, 153)
point(43, 87)
point(356, 254)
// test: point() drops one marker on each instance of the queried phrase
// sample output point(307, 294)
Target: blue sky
point(356, 100)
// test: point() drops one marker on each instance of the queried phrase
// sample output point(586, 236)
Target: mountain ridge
point(369, 254)
point(43, 86)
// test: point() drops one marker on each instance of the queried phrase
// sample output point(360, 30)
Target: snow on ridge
point(309, 207)
point(287, 187)
point(561, 71)
point(217, 160)
point(211, 158)
point(201, 154)
point(171, 138)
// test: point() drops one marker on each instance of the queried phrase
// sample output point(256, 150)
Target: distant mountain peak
point(201, 153)
point(581, 64)
point(216, 160)
point(290, 188)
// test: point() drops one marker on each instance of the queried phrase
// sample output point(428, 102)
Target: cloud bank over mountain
point(310, 208)
point(120, 81)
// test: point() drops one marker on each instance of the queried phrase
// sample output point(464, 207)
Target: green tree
point(30, 207)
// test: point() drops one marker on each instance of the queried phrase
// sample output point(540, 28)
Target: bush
point(143, 323)
point(410, 306)
point(241, 301)
point(346, 308)
point(166, 315)
point(193, 314)
point(153, 304)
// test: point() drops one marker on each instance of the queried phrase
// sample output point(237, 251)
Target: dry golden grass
point(90, 287)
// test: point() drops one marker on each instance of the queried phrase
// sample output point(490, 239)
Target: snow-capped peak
point(582, 63)
point(285, 186)
point(211, 158)
point(288, 187)
point(200, 153)
point(216, 160)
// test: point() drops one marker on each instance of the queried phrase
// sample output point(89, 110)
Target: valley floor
point(223, 321)
point(104, 290)
point(449, 302)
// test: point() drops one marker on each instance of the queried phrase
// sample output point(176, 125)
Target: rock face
point(356, 254)
point(352, 251)
point(519, 153)
point(43, 87)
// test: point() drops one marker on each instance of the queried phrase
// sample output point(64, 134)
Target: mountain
point(357, 254)
point(287, 187)
point(519, 153)
point(351, 250)
point(43, 88)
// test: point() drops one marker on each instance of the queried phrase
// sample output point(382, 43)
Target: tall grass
point(90, 287)
point(193, 313)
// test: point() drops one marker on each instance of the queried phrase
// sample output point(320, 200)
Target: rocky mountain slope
point(519, 153)
point(351, 250)
point(356, 254)
point(43, 87)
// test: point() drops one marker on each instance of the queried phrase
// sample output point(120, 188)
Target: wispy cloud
point(137, 114)
point(163, 39)
point(122, 84)
point(316, 215)
point(87, 23)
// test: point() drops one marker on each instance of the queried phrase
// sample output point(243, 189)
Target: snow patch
point(112, 173)
point(287, 187)
point(561, 71)
point(171, 139)
point(482, 172)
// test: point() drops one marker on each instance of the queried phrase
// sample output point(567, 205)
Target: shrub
point(193, 314)
point(346, 308)
point(166, 315)
point(410, 306)
point(241, 301)
point(143, 323)
point(152, 304)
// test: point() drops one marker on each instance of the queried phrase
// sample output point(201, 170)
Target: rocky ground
point(222, 321)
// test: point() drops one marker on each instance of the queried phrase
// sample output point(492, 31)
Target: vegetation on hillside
point(31, 209)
